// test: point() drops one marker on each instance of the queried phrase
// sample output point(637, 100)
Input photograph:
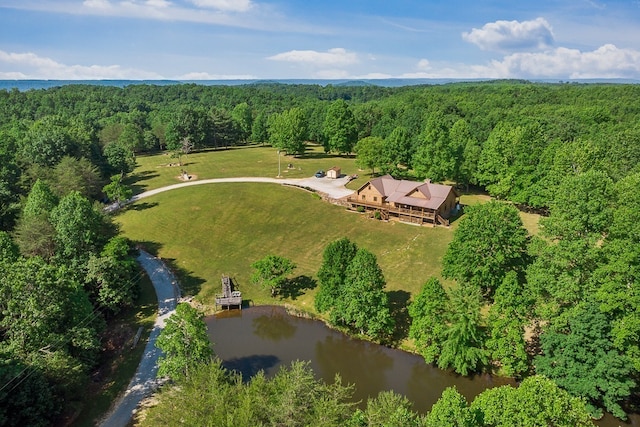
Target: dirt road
point(144, 381)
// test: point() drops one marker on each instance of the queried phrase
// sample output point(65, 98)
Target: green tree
point(80, 229)
point(120, 158)
point(397, 149)
point(288, 130)
point(117, 191)
point(34, 233)
point(271, 272)
point(111, 276)
point(451, 410)
point(434, 157)
point(9, 251)
point(260, 129)
point(429, 318)
point(537, 402)
point(340, 130)
point(184, 342)
point(579, 356)
point(489, 242)
point(506, 322)
point(364, 306)
point(387, 409)
point(463, 348)
point(369, 153)
point(73, 174)
point(26, 398)
point(243, 120)
point(336, 258)
point(192, 124)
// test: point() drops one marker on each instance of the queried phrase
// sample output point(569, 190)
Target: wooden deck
point(411, 215)
point(229, 298)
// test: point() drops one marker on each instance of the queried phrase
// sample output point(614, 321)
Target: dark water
point(267, 338)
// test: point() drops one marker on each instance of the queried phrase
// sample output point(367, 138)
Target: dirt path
point(335, 188)
point(144, 381)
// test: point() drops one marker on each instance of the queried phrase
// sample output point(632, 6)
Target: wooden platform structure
point(229, 297)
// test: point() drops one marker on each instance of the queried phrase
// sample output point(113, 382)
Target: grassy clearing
point(121, 362)
point(154, 171)
point(207, 231)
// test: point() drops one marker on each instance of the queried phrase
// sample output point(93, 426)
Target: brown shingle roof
point(398, 191)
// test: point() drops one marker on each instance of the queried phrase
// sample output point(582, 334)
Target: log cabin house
point(408, 201)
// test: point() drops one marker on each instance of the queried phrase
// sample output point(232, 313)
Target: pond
point(267, 338)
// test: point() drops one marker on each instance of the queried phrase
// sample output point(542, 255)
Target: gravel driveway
point(335, 188)
point(144, 381)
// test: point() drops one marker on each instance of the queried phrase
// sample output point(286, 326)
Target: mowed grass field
point(210, 230)
point(159, 170)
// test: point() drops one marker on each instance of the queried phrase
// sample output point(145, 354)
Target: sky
point(328, 39)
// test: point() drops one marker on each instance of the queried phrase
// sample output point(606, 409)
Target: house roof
point(401, 191)
point(335, 168)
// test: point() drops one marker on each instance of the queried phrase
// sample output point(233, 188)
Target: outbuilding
point(334, 172)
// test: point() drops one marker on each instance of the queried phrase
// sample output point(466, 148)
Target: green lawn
point(207, 231)
point(154, 171)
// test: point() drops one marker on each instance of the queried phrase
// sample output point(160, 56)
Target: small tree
point(117, 191)
point(185, 343)
point(271, 272)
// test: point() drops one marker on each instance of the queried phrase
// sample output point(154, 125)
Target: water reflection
point(274, 326)
point(266, 338)
point(249, 366)
point(357, 362)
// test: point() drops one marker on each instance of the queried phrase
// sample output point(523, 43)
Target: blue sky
point(306, 39)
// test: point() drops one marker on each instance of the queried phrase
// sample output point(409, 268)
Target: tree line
point(570, 151)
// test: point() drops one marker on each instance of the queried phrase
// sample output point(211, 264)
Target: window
point(375, 199)
point(364, 197)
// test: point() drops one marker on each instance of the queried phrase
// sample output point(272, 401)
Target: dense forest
point(563, 304)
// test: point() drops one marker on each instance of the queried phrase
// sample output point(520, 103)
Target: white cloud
point(32, 66)
point(608, 61)
point(512, 36)
point(333, 57)
point(97, 4)
point(424, 64)
point(227, 5)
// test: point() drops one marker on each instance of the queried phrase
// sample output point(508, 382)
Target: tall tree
point(489, 242)
point(80, 229)
point(396, 150)
point(429, 318)
point(243, 120)
point(451, 410)
point(464, 346)
point(579, 356)
point(288, 131)
point(537, 402)
point(340, 130)
point(336, 258)
point(369, 153)
point(434, 157)
point(184, 342)
point(364, 306)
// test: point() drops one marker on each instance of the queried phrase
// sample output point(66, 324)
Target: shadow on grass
point(249, 366)
point(142, 206)
point(151, 247)
point(398, 305)
point(136, 181)
point(189, 284)
point(295, 287)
